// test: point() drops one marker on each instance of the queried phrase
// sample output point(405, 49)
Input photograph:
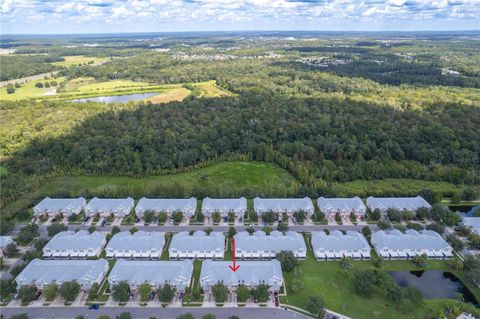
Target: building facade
point(54, 207)
point(106, 207)
point(41, 273)
point(224, 206)
point(75, 245)
point(166, 205)
point(397, 245)
point(336, 245)
point(139, 245)
point(260, 246)
point(156, 273)
point(199, 245)
point(283, 205)
point(343, 206)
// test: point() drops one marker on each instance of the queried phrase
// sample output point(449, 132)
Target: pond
point(434, 284)
point(118, 98)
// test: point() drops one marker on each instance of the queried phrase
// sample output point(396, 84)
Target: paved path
point(147, 312)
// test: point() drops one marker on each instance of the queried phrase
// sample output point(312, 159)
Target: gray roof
point(411, 239)
point(81, 240)
point(43, 272)
point(282, 205)
point(5, 241)
point(199, 241)
point(169, 205)
point(276, 241)
point(473, 222)
point(352, 240)
point(155, 272)
point(223, 205)
point(139, 241)
point(399, 203)
point(119, 206)
point(250, 273)
point(333, 205)
point(60, 206)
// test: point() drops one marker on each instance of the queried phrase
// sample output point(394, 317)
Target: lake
point(118, 98)
point(434, 284)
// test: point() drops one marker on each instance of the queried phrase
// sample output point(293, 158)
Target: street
point(148, 312)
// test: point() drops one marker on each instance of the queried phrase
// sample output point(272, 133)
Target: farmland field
point(79, 60)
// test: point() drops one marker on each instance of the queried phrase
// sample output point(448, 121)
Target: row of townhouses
point(120, 207)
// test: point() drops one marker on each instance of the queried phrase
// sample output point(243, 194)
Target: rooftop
point(80, 240)
point(60, 205)
point(337, 241)
point(139, 241)
point(276, 241)
point(354, 204)
point(399, 203)
point(250, 273)
point(169, 205)
point(235, 205)
point(113, 205)
point(411, 239)
point(281, 205)
point(5, 241)
point(85, 272)
point(199, 241)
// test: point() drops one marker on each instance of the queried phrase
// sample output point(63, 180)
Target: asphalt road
point(147, 312)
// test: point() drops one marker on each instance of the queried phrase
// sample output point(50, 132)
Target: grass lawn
point(210, 89)
point(335, 285)
point(395, 187)
point(177, 94)
point(256, 176)
point(28, 90)
point(79, 59)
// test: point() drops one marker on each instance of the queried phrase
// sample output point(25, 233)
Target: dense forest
point(324, 125)
point(14, 67)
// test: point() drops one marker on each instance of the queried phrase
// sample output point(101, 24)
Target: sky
point(102, 16)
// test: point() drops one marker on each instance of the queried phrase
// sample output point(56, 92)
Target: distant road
point(147, 312)
point(28, 78)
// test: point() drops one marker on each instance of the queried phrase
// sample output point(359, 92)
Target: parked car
point(152, 296)
point(93, 307)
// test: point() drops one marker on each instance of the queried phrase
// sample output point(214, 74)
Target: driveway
point(147, 312)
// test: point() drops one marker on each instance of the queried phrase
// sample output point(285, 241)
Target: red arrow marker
point(233, 267)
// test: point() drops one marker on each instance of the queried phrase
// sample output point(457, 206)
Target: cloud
point(28, 15)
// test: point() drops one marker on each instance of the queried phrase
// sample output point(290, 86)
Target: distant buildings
point(199, 245)
point(411, 204)
point(140, 245)
point(166, 205)
point(106, 207)
point(59, 207)
point(283, 205)
point(473, 223)
point(154, 272)
point(336, 245)
point(398, 245)
point(75, 245)
point(249, 274)
point(4, 242)
point(41, 273)
point(261, 246)
point(342, 206)
point(224, 206)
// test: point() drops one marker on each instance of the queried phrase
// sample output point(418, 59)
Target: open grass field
point(227, 175)
point(79, 60)
point(396, 187)
point(335, 285)
point(28, 90)
point(170, 96)
point(210, 89)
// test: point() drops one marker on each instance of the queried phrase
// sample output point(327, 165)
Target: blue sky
point(100, 16)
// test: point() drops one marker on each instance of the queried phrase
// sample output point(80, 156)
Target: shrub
point(287, 260)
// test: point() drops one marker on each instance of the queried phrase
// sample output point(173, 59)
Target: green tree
point(420, 261)
point(436, 228)
point(375, 215)
point(455, 242)
point(268, 217)
point(148, 216)
point(208, 316)
point(56, 228)
point(456, 198)
point(50, 292)
point(243, 293)
point(185, 316)
point(261, 293)
point(39, 85)
point(346, 263)
point(231, 232)
point(220, 292)
point(121, 292)
point(166, 293)
point(383, 225)
point(300, 216)
point(11, 250)
point(124, 315)
point(93, 291)
point(216, 217)
point(92, 229)
point(315, 305)
point(144, 291)
point(282, 227)
point(366, 231)
point(267, 230)
point(287, 260)
point(115, 230)
point(69, 290)
point(27, 293)
point(177, 217)
point(7, 287)
point(133, 230)
point(10, 88)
